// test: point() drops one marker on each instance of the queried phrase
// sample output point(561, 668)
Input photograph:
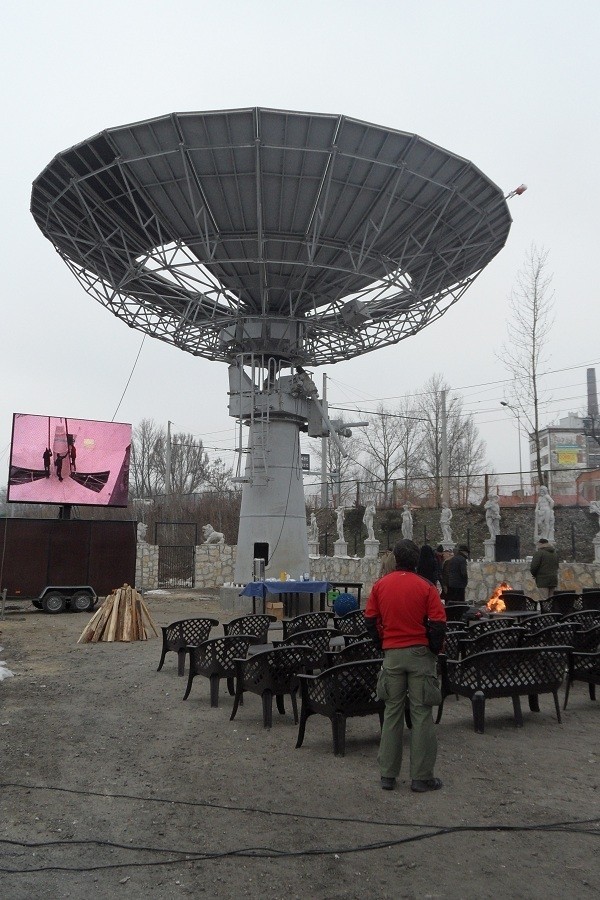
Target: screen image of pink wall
point(76, 461)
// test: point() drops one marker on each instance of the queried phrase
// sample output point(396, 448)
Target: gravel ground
point(112, 786)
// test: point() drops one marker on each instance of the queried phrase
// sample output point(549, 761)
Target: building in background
point(569, 454)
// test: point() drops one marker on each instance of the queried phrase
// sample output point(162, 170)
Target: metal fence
point(176, 567)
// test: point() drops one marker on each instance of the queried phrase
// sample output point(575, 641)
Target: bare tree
point(390, 447)
point(190, 467)
point(147, 448)
point(467, 460)
point(189, 464)
point(466, 451)
point(342, 471)
point(531, 304)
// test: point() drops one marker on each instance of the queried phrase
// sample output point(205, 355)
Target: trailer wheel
point(53, 602)
point(82, 601)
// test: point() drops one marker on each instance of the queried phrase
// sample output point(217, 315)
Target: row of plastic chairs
point(578, 630)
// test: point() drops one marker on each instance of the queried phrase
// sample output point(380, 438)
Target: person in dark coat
point(458, 577)
point(58, 463)
point(428, 566)
point(47, 456)
point(544, 567)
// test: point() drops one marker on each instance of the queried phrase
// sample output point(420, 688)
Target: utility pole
point(445, 468)
point(324, 449)
point(168, 461)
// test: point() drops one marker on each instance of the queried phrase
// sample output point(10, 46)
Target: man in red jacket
point(399, 607)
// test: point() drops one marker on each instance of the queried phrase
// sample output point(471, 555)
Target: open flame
point(496, 603)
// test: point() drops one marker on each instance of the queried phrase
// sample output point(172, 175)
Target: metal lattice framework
point(204, 229)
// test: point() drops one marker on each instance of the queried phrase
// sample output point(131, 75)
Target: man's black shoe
point(388, 784)
point(431, 784)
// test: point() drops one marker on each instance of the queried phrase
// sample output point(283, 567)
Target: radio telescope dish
point(270, 239)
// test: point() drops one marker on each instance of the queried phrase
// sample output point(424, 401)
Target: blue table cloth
point(262, 588)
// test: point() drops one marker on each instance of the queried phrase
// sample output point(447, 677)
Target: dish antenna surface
point(271, 240)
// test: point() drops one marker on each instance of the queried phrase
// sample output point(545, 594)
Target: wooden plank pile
point(122, 617)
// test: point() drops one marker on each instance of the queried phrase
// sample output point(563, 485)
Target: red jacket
point(401, 602)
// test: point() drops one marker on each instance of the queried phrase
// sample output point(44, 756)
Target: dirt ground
point(113, 786)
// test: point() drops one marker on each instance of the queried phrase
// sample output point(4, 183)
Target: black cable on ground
point(572, 827)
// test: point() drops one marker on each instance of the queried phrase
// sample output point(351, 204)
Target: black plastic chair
point(453, 640)
point(214, 659)
point(587, 640)
point(519, 602)
point(256, 624)
point(565, 603)
point(583, 667)
point(587, 618)
point(352, 623)
point(318, 640)
point(590, 599)
point(305, 622)
point(536, 623)
point(340, 692)
point(456, 611)
point(495, 639)
point(560, 633)
point(354, 652)
point(270, 673)
point(178, 636)
point(516, 672)
point(487, 625)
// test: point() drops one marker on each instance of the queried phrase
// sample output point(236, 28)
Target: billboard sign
point(68, 461)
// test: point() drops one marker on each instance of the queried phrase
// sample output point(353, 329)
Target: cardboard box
point(274, 608)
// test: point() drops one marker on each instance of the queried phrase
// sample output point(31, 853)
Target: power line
point(129, 379)
point(478, 385)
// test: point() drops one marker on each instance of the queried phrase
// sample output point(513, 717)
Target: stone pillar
point(313, 548)
point(340, 548)
point(490, 550)
point(146, 569)
point(596, 543)
point(371, 549)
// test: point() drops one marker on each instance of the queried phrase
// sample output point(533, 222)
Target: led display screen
point(69, 461)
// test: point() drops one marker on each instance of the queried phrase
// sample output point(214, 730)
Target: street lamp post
point(518, 415)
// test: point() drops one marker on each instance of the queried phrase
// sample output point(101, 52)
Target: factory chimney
point(592, 393)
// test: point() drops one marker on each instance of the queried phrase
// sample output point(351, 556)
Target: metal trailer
point(62, 564)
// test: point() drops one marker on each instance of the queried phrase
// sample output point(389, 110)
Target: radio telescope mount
point(272, 241)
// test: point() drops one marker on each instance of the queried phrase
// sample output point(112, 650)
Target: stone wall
point(339, 568)
point(575, 528)
point(146, 567)
point(215, 565)
point(484, 577)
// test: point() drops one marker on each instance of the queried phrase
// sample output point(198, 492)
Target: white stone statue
point(544, 516)
point(407, 523)
point(313, 529)
point(340, 513)
point(492, 516)
point(211, 536)
point(368, 520)
point(445, 519)
point(141, 532)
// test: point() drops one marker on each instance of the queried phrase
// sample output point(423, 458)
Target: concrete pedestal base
point(340, 548)
point(448, 545)
point(371, 549)
point(490, 550)
point(229, 599)
point(313, 548)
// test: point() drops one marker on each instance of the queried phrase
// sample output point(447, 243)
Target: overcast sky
point(511, 85)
